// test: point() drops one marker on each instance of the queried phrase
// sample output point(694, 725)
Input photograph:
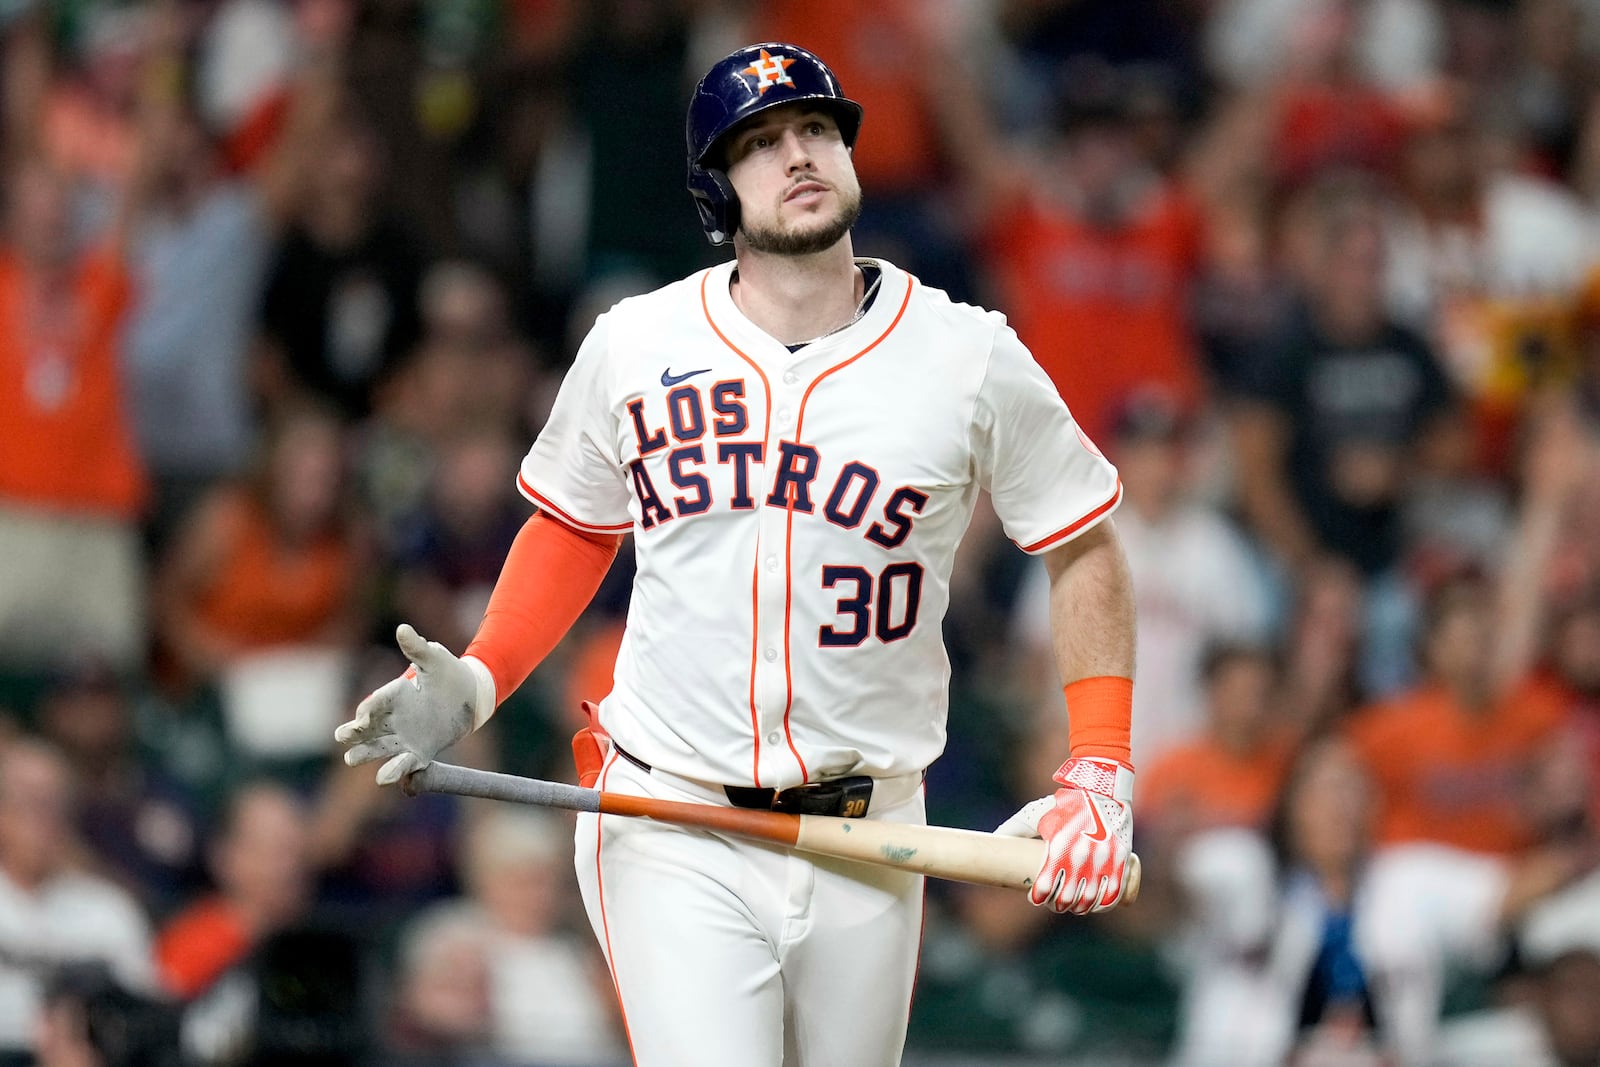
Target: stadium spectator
point(1451, 757)
point(52, 912)
point(140, 823)
point(200, 260)
point(441, 1015)
point(1231, 774)
point(552, 1000)
point(72, 485)
point(1325, 426)
point(261, 865)
point(1316, 945)
point(341, 299)
point(1329, 424)
point(1488, 261)
point(1094, 255)
point(260, 589)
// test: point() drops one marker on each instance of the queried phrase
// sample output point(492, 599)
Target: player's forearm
point(549, 577)
point(1092, 625)
point(1091, 606)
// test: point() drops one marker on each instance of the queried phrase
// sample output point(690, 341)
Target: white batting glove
point(1088, 828)
point(438, 700)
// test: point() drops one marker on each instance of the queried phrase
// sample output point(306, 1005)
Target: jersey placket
point(775, 636)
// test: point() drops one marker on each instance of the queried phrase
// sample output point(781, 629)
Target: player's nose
point(796, 154)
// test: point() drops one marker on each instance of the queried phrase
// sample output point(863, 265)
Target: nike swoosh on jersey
point(669, 379)
point(1099, 824)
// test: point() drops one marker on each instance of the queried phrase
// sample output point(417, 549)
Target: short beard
point(778, 242)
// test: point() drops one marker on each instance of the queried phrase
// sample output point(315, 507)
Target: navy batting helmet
point(742, 84)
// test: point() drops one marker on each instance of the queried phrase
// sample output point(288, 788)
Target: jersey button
point(790, 377)
point(772, 563)
point(774, 737)
point(771, 654)
point(784, 413)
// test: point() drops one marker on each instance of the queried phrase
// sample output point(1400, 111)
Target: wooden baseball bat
point(938, 851)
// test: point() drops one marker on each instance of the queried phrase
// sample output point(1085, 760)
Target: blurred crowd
point(287, 286)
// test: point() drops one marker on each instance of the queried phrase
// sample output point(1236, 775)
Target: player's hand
point(1087, 827)
point(430, 707)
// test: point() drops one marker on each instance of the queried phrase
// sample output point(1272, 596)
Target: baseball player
point(795, 439)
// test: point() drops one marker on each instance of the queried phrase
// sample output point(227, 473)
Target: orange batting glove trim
point(1099, 717)
point(549, 577)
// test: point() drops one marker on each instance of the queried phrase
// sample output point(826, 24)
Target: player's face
point(797, 186)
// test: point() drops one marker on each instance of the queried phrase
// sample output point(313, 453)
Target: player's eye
point(814, 129)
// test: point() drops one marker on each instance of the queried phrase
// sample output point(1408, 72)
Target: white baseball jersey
point(796, 515)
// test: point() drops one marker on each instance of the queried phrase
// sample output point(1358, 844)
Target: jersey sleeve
point(1048, 480)
point(573, 472)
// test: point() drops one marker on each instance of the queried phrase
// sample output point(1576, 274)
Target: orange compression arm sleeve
point(549, 577)
point(1100, 717)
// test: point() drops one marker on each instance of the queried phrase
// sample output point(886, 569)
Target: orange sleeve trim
point(577, 524)
point(1100, 717)
point(1067, 531)
point(549, 577)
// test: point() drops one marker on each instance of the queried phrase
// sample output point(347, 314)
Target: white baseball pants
point(733, 953)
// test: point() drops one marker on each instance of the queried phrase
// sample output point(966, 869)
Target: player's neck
point(798, 298)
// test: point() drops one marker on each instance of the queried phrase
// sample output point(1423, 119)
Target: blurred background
point(287, 287)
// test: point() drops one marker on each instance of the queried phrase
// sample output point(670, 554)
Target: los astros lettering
point(847, 502)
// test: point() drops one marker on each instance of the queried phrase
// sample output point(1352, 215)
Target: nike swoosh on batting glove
point(1087, 826)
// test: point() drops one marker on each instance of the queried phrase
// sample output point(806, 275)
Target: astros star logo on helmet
point(768, 71)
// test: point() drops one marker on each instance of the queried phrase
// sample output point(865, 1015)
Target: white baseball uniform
point(795, 518)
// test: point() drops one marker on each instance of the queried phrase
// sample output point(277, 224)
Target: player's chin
point(803, 220)
point(799, 236)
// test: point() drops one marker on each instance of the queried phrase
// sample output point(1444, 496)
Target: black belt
point(845, 797)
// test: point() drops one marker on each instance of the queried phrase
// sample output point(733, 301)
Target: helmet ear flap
point(716, 201)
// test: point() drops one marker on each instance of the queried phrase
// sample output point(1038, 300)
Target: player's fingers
point(372, 715)
point(417, 649)
point(1046, 885)
point(1109, 893)
point(1074, 898)
point(376, 749)
point(399, 767)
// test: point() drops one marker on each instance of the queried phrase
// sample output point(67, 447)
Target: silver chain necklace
point(861, 309)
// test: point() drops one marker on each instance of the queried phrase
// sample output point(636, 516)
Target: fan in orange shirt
point(65, 444)
point(265, 565)
point(1096, 253)
point(71, 484)
point(1452, 757)
point(1230, 776)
